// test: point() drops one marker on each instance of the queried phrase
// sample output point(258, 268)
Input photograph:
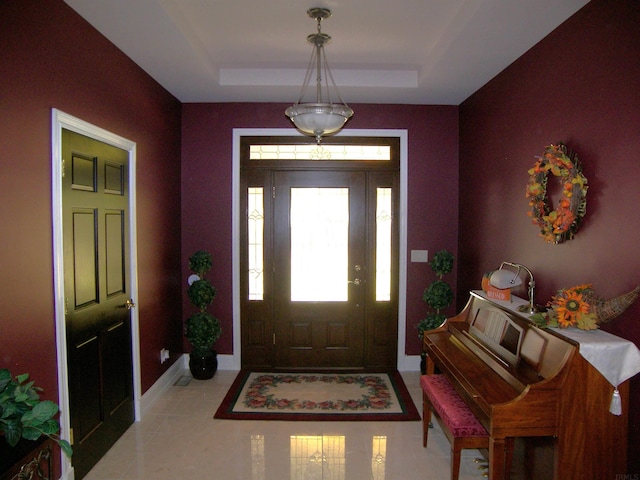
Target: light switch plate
point(419, 256)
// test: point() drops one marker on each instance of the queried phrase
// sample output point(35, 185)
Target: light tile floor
point(179, 439)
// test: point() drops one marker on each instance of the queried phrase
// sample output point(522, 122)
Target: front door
point(319, 255)
point(97, 295)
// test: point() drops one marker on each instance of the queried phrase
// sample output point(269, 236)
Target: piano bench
point(459, 424)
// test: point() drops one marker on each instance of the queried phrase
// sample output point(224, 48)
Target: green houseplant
point(438, 296)
point(24, 415)
point(202, 329)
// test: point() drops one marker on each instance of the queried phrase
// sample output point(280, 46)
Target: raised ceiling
point(434, 52)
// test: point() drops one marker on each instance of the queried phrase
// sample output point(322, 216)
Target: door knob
point(355, 282)
point(129, 304)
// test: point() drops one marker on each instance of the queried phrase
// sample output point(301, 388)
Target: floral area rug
point(318, 396)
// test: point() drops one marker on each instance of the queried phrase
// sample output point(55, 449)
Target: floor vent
point(183, 381)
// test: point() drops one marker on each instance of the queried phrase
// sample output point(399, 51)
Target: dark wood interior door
point(319, 269)
point(97, 296)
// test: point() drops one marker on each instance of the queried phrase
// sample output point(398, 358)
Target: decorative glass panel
point(378, 456)
point(319, 244)
point(317, 457)
point(320, 152)
point(383, 245)
point(258, 466)
point(255, 242)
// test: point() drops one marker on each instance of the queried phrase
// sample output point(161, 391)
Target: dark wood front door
point(97, 296)
point(319, 284)
point(319, 261)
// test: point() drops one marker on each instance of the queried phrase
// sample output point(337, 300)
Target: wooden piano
point(523, 381)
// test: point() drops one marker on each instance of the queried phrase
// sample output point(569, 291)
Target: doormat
point(318, 396)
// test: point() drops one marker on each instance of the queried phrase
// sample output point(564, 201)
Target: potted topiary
point(24, 415)
point(438, 296)
point(202, 329)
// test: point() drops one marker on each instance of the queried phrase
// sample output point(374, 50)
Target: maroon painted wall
point(51, 58)
point(207, 131)
point(580, 85)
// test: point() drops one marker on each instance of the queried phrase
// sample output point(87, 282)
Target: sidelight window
point(383, 244)
point(256, 242)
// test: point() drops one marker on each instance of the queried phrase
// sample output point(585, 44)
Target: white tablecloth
point(615, 358)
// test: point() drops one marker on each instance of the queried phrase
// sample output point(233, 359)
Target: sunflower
point(570, 306)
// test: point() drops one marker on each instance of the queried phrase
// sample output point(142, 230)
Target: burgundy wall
point(580, 85)
point(207, 131)
point(51, 58)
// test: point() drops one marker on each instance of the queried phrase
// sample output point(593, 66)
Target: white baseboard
point(69, 474)
point(168, 379)
point(409, 363)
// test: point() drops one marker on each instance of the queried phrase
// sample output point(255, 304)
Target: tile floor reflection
point(179, 439)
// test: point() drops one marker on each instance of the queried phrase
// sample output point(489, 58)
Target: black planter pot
point(203, 367)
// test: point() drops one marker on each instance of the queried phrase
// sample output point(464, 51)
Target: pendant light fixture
point(322, 117)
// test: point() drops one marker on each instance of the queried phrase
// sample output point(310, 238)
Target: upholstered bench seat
point(456, 415)
point(457, 421)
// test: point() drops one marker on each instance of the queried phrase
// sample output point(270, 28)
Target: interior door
point(97, 296)
point(319, 274)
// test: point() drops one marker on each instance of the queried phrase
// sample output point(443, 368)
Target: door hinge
point(62, 168)
point(274, 338)
point(273, 192)
point(71, 436)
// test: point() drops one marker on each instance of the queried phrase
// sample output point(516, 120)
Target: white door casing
point(60, 121)
point(404, 362)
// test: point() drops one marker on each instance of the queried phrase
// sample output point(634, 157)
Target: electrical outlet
point(164, 355)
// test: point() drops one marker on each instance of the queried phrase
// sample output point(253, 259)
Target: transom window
point(320, 152)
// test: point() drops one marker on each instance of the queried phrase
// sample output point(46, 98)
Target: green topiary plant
point(439, 294)
point(201, 293)
point(202, 329)
point(24, 415)
point(200, 262)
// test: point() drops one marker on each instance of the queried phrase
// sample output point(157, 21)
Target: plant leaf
point(587, 322)
point(31, 433)
point(5, 379)
point(66, 448)
point(50, 427)
point(12, 431)
point(42, 412)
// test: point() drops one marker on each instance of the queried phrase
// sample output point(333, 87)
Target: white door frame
point(404, 362)
point(59, 121)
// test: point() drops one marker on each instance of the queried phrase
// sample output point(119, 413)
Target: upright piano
point(523, 381)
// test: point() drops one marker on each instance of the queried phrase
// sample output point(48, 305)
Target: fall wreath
point(560, 224)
